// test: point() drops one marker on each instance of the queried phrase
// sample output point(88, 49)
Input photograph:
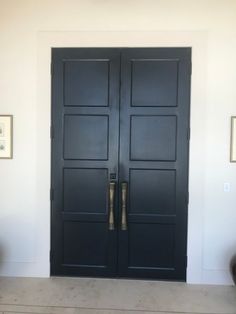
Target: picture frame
point(6, 136)
point(233, 140)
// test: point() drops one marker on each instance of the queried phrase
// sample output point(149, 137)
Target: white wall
point(29, 28)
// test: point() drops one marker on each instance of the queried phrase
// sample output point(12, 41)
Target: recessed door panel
point(80, 184)
point(154, 82)
point(86, 82)
point(153, 137)
point(152, 191)
point(86, 137)
point(147, 248)
point(82, 245)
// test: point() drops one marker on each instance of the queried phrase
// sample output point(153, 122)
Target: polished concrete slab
point(112, 296)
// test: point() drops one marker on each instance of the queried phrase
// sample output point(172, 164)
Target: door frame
point(196, 40)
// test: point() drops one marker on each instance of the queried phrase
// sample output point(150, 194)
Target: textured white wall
point(29, 28)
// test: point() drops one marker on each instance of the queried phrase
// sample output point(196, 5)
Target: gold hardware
point(124, 200)
point(111, 205)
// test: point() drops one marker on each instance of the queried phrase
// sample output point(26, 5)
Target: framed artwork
point(6, 133)
point(233, 140)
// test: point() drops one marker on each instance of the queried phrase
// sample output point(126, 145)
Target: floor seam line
point(111, 309)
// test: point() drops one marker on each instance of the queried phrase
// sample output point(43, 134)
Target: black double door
point(120, 132)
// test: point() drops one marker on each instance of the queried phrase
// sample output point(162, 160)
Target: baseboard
point(217, 277)
point(24, 269)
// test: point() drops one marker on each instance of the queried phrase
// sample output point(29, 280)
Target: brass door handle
point(112, 186)
point(124, 187)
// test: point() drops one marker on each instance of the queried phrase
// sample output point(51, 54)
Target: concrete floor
point(110, 296)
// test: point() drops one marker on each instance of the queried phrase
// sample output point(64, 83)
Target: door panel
point(154, 82)
point(152, 191)
point(86, 82)
point(157, 133)
point(85, 119)
point(86, 137)
point(154, 119)
point(86, 237)
point(78, 184)
point(146, 246)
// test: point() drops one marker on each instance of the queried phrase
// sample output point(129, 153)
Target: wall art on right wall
point(233, 140)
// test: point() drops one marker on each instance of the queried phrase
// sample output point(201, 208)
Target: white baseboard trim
point(24, 269)
point(217, 277)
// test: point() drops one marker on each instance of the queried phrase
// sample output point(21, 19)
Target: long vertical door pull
point(124, 201)
point(112, 186)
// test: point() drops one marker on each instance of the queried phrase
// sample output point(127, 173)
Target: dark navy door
point(154, 134)
point(85, 123)
point(120, 132)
